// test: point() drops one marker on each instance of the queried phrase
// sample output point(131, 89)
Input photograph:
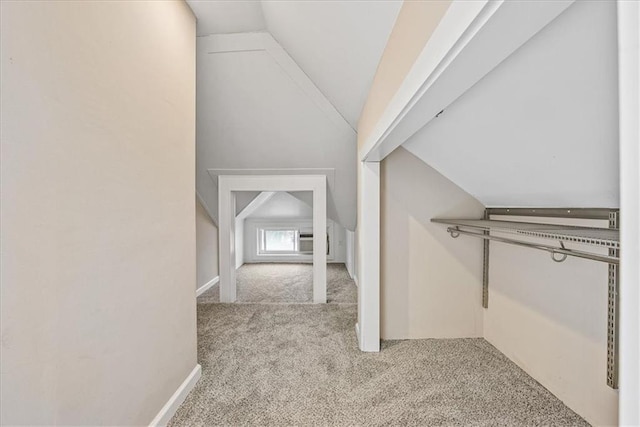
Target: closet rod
point(455, 231)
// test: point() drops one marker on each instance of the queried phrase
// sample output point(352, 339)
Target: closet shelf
point(593, 238)
point(482, 228)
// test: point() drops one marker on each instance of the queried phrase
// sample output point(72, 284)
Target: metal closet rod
point(455, 231)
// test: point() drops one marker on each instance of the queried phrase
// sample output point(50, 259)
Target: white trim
point(229, 184)
point(204, 288)
point(298, 76)
point(330, 173)
point(461, 51)
point(629, 108)
point(169, 409)
point(368, 265)
point(260, 200)
point(355, 280)
point(232, 42)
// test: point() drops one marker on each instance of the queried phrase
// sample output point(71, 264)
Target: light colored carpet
point(286, 283)
point(299, 364)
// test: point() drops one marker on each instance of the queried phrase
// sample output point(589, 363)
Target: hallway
point(299, 364)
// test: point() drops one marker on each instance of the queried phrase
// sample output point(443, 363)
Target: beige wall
point(98, 233)
point(414, 25)
point(551, 319)
point(431, 284)
point(206, 246)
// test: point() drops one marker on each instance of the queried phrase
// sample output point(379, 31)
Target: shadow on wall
point(431, 285)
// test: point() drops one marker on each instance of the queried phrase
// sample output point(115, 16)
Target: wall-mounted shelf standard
point(601, 237)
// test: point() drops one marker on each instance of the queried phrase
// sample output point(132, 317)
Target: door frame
point(229, 184)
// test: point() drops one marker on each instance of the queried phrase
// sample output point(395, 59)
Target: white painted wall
point(350, 256)
point(337, 239)
point(542, 128)
point(283, 209)
point(324, 37)
point(239, 242)
point(431, 285)
point(551, 319)
point(206, 247)
point(283, 205)
point(257, 110)
point(98, 246)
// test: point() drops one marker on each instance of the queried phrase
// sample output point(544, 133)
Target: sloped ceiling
point(541, 129)
point(221, 17)
point(338, 44)
point(253, 113)
point(283, 205)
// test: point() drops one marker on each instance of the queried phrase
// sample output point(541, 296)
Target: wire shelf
point(603, 237)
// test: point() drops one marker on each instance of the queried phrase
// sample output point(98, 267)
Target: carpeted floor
point(299, 364)
point(286, 283)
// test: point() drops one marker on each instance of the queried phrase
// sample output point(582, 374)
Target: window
point(283, 240)
point(278, 241)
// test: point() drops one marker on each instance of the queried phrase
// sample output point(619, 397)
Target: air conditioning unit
point(306, 242)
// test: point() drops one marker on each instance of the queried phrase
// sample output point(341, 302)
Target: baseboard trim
point(355, 280)
point(169, 409)
point(358, 334)
point(204, 288)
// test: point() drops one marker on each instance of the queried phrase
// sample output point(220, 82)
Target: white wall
point(239, 240)
point(551, 319)
point(206, 247)
point(542, 128)
point(98, 219)
point(431, 285)
point(350, 255)
point(283, 209)
point(283, 205)
point(337, 238)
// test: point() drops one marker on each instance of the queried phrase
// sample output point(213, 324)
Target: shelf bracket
point(612, 310)
point(485, 267)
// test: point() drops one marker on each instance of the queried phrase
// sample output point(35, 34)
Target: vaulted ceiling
point(280, 89)
point(338, 44)
point(541, 129)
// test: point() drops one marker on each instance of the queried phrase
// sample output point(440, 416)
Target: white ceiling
point(283, 205)
point(338, 44)
point(542, 128)
point(223, 16)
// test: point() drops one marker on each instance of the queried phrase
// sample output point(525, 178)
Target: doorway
point(229, 185)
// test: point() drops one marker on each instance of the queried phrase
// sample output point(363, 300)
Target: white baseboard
point(204, 288)
point(355, 279)
point(358, 334)
point(169, 409)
